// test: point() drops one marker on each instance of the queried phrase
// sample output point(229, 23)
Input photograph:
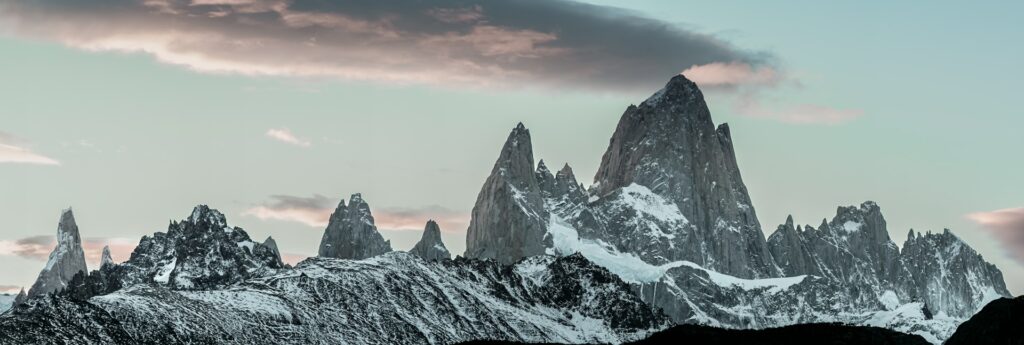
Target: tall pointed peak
point(566, 170)
point(515, 163)
point(542, 168)
point(430, 246)
point(789, 221)
point(105, 258)
point(910, 235)
point(67, 229)
point(432, 230)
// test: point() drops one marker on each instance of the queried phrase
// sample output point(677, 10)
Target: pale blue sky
point(140, 142)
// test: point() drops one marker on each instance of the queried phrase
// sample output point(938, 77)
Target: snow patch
point(773, 285)
point(165, 273)
point(852, 226)
point(889, 300)
point(630, 268)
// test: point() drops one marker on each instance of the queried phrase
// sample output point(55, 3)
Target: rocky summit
point(670, 146)
point(351, 233)
point(509, 219)
point(430, 246)
point(66, 260)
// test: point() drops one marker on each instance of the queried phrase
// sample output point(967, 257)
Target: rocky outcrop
point(20, 298)
point(509, 219)
point(430, 247)
point(949, 276)
point(670, 146)
point(272, 245)
point(200, 252)
point(351, 233)
point(66, 260)
point(854, 251)
point(105, 258)
point(854, 248)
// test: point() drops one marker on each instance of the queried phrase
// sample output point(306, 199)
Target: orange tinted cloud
point(1006, 225)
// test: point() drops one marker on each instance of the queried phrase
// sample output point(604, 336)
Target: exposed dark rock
point(66, 259)
point(670, 146)
point(509, 220)
point(430, 247)
point(351, 233)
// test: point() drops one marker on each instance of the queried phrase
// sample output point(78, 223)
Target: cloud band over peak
point(476, 42)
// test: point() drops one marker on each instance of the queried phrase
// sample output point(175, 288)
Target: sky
point(134, 112)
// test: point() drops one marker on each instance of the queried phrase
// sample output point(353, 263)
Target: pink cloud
point(748, 105)
point(731, 74)
point(286, 136)
point(39, 248)
point(1007, 226)
point(12, 151)
point(316, 211)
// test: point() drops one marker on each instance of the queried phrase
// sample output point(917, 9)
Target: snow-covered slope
point(395, 298)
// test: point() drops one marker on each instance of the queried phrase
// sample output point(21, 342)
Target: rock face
point(351, 233)
point(105, 258)
point(325, 301)
point(853, 249)
point(66, 260)
point(430, 247)
point(200, 252)
point(949, 276)
point(272, 245)
point(670, 146)
point(21, 297)
point(509, 218)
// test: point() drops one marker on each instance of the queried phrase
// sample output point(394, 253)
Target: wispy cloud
point(39, 248)
point(449, 42)
point(12, 150)
point(286, 136)
point(315, 211)
point(731, 75)
point(10, 289)
point(1007, 225)
point(751, 105)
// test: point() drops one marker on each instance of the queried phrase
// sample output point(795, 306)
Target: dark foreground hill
point(1000, 322)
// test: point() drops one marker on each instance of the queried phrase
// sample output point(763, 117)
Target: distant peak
point(789, 221)
point(541, 167)
point(204, 214)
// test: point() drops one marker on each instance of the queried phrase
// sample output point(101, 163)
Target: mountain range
point(666, 234)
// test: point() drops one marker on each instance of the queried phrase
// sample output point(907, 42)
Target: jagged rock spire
point(790, 251)
point(199, 252)
point(66, 259)
point(351, 233)
point(670, 145)
point(950, 276)
point(509, 220)
point(272, 245)
point(430, 246)
point(105, 258)
point(20, 298)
